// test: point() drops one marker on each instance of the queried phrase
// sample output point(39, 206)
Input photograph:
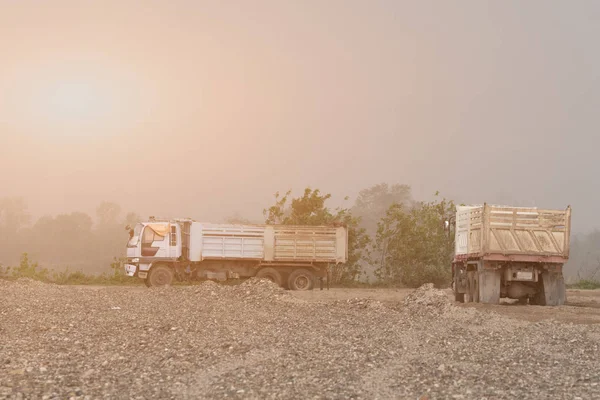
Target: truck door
point(175, 241)
point(154, 244)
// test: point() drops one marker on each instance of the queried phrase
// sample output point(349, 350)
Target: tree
point(131, 219)
point(237, 219)
point(108, 213)
point(66, 238)
point(372, 203)
point(13, 218)
point(414, 248)
point(278, 212)
point(584, 256)
point(371, 206)
point(74, 224)
point(110, 234)
point(310, 209)
point(13, 214)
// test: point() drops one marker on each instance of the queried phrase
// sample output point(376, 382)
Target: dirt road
point(258, 341)
point(583, 306)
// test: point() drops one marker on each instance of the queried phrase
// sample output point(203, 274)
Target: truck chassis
point(486, 281)
point(294, 276)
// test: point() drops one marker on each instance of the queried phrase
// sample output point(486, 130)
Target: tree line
point(393, 238)
point(70, 240)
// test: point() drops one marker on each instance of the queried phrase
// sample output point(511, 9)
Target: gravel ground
point(256, 340)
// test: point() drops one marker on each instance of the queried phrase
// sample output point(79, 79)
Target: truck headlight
point(135, 260)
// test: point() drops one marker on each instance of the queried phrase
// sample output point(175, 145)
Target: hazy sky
point(205, 109)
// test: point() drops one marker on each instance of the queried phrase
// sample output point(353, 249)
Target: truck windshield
point(136, 236)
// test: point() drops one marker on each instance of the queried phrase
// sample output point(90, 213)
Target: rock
point(256, 340)
point(19, 371)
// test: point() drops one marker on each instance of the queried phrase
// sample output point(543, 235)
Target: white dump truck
point(511, 252)
point(159, 251)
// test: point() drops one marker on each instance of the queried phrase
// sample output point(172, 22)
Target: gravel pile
point(255, 340)
point(427, 300)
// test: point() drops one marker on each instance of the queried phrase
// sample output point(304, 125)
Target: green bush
point(413, 245)
point(32, 270)
point(439, 275)
point(27, 269)
point(586, 284)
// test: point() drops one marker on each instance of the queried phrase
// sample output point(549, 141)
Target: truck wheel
point(271, 274)
point(460, 297)
point(469, 294)
point(538, 299)
point(489, 285)
point(475, 288)
point(523, 300)
point(552, 290)
point(159, 275)
point(301, 279)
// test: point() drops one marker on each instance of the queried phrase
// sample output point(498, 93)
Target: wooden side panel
point(273, 243)
point(482, 231)
point(527, 231)
point(301, 243)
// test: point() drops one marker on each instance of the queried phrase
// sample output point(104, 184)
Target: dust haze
point(205, 110)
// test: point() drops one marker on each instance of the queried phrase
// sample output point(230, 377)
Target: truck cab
point(150, 242)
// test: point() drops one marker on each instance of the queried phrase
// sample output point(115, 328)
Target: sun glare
point(76, 101)
point(76, 98)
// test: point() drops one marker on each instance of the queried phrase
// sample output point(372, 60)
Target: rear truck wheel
point(475, 294)
point(159, 275)
point(523, 300)
point(551, 289)
point(488, 283)
point(458, 283)
point(460, 297)
point(271, 274)
point(470, 287)
point(301, 279)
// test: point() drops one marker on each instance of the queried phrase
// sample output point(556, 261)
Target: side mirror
point(130, 230)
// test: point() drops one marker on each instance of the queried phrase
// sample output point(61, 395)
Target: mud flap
point(489, 286)
point(553, 289)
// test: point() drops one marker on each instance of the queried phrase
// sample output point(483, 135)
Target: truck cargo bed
point(270, 243)
point(512, 233)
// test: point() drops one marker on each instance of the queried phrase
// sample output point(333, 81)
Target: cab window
point(151, 236)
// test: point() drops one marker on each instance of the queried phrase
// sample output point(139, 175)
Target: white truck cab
point(151, 242)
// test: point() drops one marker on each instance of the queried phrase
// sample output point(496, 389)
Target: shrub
point(586, 284)
point(32, 270)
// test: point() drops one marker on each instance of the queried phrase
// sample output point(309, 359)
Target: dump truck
point(293, 257)
point(510, 252)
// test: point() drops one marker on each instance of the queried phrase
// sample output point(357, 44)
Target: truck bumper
point(130, 269)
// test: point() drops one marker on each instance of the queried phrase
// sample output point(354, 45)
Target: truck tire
point(489, 283)
point(159, 275)
point(271, 274)
point(470, 283)
point(552, 291)
point(301, 279)
point(475, 288)
point(460, 297)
